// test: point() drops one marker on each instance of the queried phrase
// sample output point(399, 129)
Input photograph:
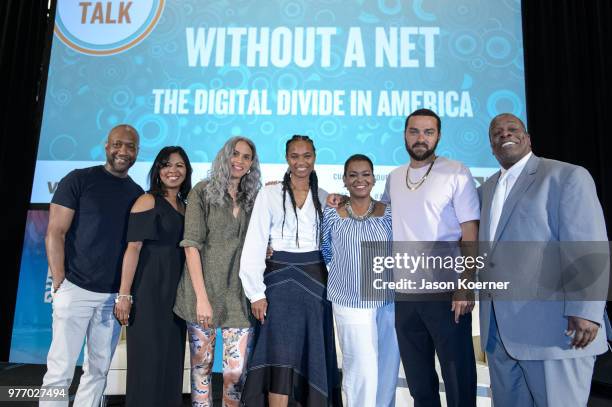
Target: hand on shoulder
point(336, 200)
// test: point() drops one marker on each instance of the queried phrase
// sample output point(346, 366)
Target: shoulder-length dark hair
point(156, 186)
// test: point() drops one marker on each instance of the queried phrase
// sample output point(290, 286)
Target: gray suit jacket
point(550, 201)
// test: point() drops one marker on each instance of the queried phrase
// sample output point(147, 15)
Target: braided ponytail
point(287, 187)
point(314, 189)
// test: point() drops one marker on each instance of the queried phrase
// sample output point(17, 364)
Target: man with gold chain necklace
point(434, 199)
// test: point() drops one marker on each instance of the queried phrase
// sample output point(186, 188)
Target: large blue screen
point(194, 73)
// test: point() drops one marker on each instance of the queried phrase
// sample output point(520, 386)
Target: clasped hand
point(122, 310)
point(582, 331)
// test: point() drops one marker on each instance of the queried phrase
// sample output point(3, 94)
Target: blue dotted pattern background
point(479, 50)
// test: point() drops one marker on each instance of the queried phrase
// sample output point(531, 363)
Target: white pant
point(80, 314)
point(370, 355)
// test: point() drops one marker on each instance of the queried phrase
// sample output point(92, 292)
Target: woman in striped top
point(364, 316)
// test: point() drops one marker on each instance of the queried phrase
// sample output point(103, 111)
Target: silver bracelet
point(128, 296)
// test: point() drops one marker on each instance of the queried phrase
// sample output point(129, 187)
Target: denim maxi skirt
point(294, 350)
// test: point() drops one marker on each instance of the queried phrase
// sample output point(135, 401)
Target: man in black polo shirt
point(85, 243)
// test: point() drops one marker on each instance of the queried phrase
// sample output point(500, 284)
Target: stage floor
point(12, 374)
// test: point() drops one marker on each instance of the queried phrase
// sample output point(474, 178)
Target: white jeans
point(370, 355)
point(80, 314)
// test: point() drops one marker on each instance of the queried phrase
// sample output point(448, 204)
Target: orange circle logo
point(105, 27)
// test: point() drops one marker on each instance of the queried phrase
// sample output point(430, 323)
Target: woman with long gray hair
point(210, 293)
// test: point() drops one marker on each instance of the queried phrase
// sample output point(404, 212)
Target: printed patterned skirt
point(294, 350)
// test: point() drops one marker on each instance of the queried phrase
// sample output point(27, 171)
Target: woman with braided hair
point(293, 356)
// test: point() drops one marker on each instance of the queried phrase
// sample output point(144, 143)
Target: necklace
point(415, 185)
point(351, 214)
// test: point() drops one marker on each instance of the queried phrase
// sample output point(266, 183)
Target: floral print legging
point(236, 346)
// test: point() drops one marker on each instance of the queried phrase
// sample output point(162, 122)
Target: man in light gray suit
point(540, 353)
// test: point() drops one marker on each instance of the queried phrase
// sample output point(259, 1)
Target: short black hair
point(155, 184)
point(507, 115)
point(357, 157)
point(424, 112)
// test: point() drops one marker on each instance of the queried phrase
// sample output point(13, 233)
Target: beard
point(422, 156)
point(119, 167)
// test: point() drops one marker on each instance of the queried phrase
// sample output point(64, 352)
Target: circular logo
point(105, 27)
